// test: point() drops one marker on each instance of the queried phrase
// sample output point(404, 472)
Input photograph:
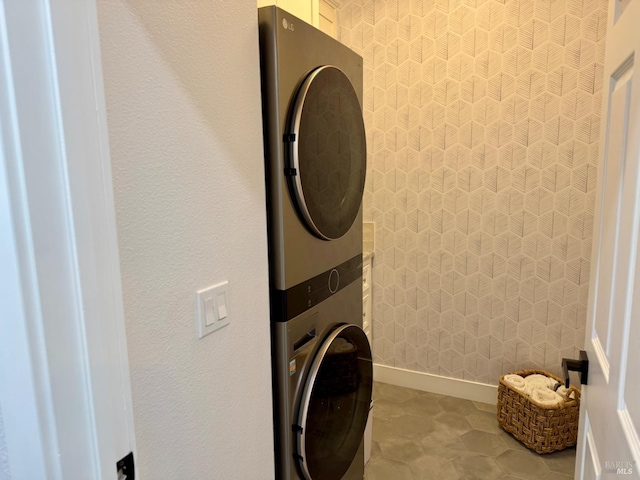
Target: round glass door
point(335, 404)
point(327, 154)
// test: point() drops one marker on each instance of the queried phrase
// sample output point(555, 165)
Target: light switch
point(222, 306)
point(212, 309)
point(209, 314)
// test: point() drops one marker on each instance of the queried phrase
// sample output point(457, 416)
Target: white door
point(65, 400)
point(609, 442)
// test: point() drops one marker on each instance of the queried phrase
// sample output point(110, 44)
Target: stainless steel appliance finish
point(321, 404)
point(315, 153)
point(290, 51)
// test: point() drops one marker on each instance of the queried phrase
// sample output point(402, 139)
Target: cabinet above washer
point(319, 13)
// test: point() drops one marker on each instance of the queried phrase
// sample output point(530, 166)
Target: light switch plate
point(212, 305)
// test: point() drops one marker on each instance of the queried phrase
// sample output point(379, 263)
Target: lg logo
point(287, 25)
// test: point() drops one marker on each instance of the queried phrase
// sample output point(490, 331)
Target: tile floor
point(422, 436)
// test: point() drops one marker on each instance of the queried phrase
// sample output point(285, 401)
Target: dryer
point(315, 153)
point(315, 148)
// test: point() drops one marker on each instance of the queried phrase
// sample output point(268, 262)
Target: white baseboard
point(453, 387)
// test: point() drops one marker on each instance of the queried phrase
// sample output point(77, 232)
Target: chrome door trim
point(308, 389)
point(295, 160)
point(293, 145)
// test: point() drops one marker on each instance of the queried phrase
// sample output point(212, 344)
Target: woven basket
point(541, 428)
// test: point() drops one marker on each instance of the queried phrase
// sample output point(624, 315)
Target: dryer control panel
point(290, 303)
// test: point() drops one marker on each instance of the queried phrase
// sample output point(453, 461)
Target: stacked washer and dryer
point(315, 153)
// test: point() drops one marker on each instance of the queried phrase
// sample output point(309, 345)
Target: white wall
point(183, 99)
point(5, 472)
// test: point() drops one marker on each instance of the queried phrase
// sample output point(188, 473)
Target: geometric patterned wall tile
point(545, 107)
point(548, 57)
point(582, 8)
point(573, 153)
point(484, 156)
point(533, 34)
point(595, 26)
point(531, 84)
point(471, 135)
point(553, 224)
point(548, 10)
point(580, 53)
point(588, 128)
point(584, 178)
point(501, 86)
point(507, 288)
point(550, 270)
point(562, 80)
point(537, 246)
point(482, 121)
point(558, 129)
point(503, 37)
point(523, 224)
point(461, 20)
point(539, 202)
point(508, 245)
point(489, 16)
point(556, 178)
point(527, 131)
point(517, 60)
point(518, 12)
point(509, 201)
point(576, 104)
point(496, 179)
point(581, 225)
point(590, 77)
point(409, 26)
point(578, 271)
point(458, 112)
point(565, 29)
point(434, 23)
point(474, 42)
point(525, 179)
point(570, 201)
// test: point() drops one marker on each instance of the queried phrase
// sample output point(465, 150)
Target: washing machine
point(315, 154)
point(322, 390)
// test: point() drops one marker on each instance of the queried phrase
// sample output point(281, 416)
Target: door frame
point(607, 368)
point(65, 395)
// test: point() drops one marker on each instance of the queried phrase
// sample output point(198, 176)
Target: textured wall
point(183, 98)
point(482, 120)
point(5, 471)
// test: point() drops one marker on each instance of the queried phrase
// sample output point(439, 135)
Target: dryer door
point(327, 152)
point(335, 404)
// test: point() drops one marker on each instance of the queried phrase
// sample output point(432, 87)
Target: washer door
point(327, 152)
point(335, 404)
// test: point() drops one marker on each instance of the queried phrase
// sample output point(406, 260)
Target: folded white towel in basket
point(516, 381)
point(539, 387)
point(539, 381)
point(545, 397)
